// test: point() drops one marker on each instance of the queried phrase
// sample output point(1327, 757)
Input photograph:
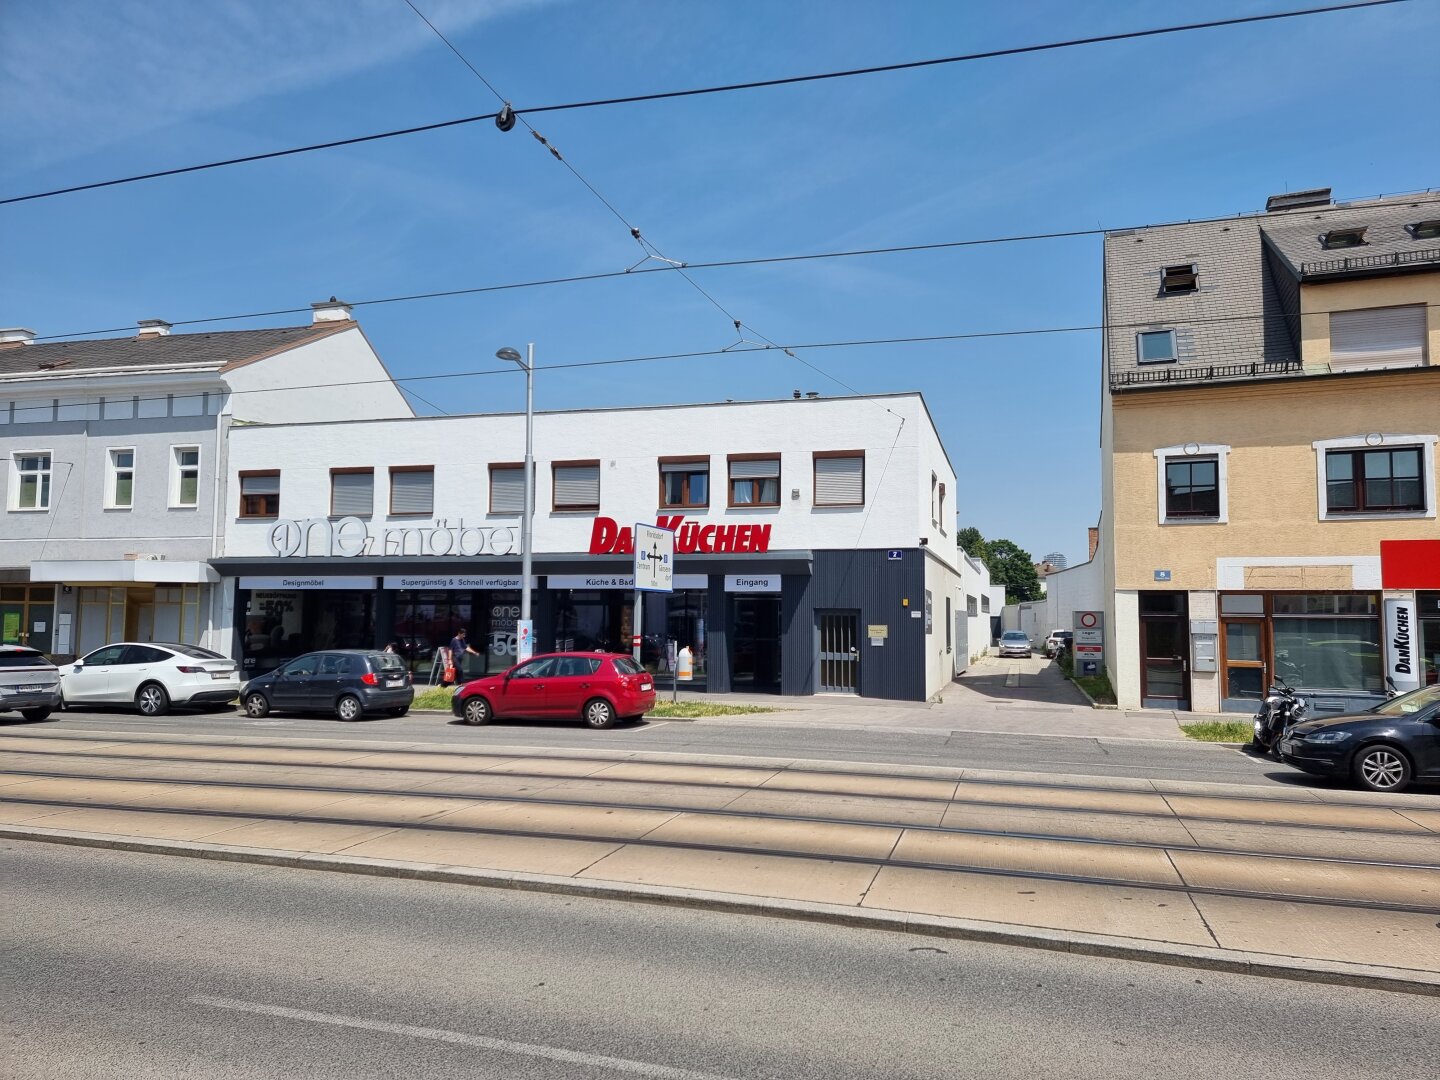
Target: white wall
point(975, 581)
point(943, 584)
point(346, 377)
point(627, 442)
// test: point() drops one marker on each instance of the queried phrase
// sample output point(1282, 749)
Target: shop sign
point(1401, 641)
point(300, 582)
point(752, 583)
point(607, 537)
point(1410, 564)
point(350, 537)
point(619, 581)
point(512, 582)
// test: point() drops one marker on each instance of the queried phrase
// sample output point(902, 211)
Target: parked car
point(29, 682)
point(1058, 641)
point(152, 676)
point(598, 688)
point(346, 682)
point(1015, 643)
point(1384, 748)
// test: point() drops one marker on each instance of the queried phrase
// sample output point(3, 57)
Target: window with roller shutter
point(352, 492)
point(576, 485)
point(507, 488)
point(412, 489)
point(754, 479)
point(840, 478)
point(260, 494)
point(1388, 337)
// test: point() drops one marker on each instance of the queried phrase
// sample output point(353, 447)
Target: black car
point(1382, 749)
point(346, 682)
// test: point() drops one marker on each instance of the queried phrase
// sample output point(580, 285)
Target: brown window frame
point(817, 455)
point(355, 471)
point(245, 512)
point(392, 512)
point(687, 503)
point(1357, 480)
point(518, 466)
point(587, 508)
point(730, 502)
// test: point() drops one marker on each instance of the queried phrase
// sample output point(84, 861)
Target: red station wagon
point(598, 688)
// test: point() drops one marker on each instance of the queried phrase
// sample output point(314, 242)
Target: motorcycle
point(1281, 710)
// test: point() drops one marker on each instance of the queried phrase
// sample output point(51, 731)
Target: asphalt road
point(1050, 754)
point(139, 966)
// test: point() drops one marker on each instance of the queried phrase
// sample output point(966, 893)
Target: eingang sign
point(351, 537)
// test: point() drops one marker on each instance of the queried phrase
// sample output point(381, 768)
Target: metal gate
point(839, 653)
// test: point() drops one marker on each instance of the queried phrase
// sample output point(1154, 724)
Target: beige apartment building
point(1269, 429)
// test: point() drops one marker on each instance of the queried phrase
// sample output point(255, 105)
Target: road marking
point(552, 1053)
point(1012, 677)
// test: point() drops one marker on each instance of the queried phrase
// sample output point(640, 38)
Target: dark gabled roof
point(220, 351)
point(1298, 238)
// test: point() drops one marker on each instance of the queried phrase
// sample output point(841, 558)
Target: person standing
point(459, 648)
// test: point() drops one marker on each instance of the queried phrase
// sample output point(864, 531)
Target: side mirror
point(78, 667)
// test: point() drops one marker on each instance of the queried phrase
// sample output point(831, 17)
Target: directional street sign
point(654, 559)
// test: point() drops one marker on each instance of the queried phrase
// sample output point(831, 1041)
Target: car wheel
point(152, 700)
point(349, 709)
point(599, 713)
point(1382, 768)
point(400, 710)
point(477, 711)
point(256, 706)
point(35, 715)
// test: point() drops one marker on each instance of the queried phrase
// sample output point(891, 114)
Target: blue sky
point(1193, 125)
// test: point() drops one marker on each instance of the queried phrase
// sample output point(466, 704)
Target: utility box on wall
point(1204, 634)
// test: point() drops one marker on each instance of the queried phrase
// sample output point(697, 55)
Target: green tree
point(972, 543)
point(1011, 565)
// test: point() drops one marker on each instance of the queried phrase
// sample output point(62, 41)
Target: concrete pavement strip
point(1176, 954)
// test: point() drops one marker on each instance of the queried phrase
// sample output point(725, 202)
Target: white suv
point(29, 682)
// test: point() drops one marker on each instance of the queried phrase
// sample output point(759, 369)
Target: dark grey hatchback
point(346, 682)
point(1383, 749)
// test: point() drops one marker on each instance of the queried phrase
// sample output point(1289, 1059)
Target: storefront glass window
point(426, 621)
point(679, 617)
point(282, 624)
point(1325, 604)
point(588, 620)
point(1242, 604)
point(1329, 654)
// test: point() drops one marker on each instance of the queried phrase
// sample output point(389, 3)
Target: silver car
point(1015, 643)
point(29, 682)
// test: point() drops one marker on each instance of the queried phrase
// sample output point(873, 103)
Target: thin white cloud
point(78, 75)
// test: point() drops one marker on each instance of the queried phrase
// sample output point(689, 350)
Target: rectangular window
point(754, 479)
point(576, 485)
point(1375, 481)
point(1344, 238)
point(972, 606)
point(685, 482)
point(1155, 346)
point(352, 492)
point(1176, 280)
point(30, 474)
point(412, 489)
point(1377, 338)
point(507, 489)
point(184, 476)
point(985, 605)
point(839, 478)
point(260, 494)
point(120, 479)
point(1192, 488)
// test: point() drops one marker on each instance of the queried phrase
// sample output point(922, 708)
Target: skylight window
point(1175, 280)
point(1344, 238)
point(1426, 230)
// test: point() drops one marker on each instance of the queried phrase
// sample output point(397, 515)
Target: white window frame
point(15, 474)
point(1375, 440)
point(112, 476)
point(1174, 347)
point(176, 469)
point(1221, 454)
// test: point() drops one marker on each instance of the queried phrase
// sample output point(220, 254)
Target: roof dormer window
point(1425, 230)
point(1343, 238)
point(1176, 280)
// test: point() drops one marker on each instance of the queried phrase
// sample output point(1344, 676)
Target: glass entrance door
point(755, 644)
point(839, 671)
point(1164, 651)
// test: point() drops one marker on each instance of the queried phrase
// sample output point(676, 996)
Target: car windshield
point(1015, 635)
point(1410, 703)
point(194, 652)
point(21, 658)
point(626, 666)
point(387, 661)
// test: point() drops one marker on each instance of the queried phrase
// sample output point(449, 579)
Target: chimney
point(153, 328)
point(15, 336)
point(1094, 539)
point(812, 394)
point(331, 310)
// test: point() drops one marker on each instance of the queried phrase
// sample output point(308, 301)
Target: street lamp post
point(525, 629)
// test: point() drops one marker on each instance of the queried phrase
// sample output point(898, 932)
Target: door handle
point(584, 686)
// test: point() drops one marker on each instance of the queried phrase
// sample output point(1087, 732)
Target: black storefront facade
point(783, 622)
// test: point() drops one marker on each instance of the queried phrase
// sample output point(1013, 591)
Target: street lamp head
point(507, 353)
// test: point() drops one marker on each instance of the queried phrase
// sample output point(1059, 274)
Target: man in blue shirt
point(459, 648)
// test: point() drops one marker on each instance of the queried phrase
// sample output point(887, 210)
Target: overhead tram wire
point(651, 252)
point(759, 84)
point(1421, 199)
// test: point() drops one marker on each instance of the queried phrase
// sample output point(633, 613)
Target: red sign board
point(608, 537)
point(1410, 564)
